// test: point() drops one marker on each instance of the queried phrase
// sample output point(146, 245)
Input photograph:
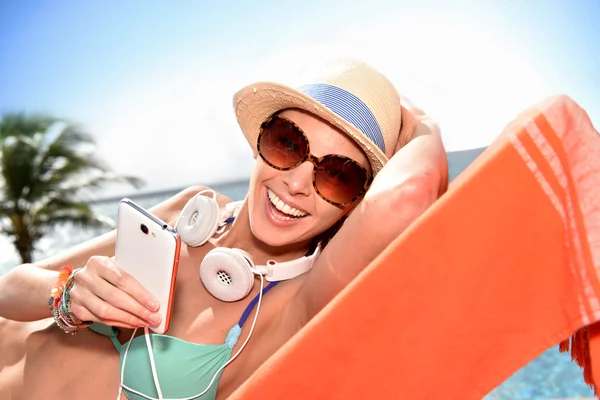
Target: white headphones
point(228, 274)
point(201, 218)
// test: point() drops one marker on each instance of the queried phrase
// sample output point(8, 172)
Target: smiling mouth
point(283, 211)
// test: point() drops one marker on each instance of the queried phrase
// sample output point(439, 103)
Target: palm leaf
point(47, 167)
point(21, 124)
point(16, 154)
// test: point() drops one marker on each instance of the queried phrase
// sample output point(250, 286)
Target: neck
point(240, 236)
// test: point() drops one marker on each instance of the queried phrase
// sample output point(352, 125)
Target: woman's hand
point(25, 289)
point(104, 293)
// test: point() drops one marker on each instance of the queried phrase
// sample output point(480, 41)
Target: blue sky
point(148, 78)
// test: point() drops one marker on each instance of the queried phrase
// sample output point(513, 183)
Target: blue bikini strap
point(253, 303)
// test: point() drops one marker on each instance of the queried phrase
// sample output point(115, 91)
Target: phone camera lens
point(144, 229)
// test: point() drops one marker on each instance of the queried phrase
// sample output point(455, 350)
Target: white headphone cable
point(154, 374)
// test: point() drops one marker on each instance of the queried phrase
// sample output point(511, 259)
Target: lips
point(280, 218)
point(283, 207)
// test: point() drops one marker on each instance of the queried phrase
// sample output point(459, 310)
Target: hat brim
point(255, 103)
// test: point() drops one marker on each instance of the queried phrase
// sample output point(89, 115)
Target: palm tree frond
point(47, 165)
point(17, 171)
point(21, 124)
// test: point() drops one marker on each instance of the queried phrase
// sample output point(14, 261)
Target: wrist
point(60, 302)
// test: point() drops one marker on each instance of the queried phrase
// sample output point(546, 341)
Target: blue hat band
point(349, 107)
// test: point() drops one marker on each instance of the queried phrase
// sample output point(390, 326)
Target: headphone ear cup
point(227, 273)
point(198, 220)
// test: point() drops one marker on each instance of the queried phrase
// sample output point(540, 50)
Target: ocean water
point(551, 375)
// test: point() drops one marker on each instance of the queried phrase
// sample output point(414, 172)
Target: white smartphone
point(148, 249)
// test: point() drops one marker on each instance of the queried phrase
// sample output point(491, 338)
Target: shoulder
point(170, 209)
point(186, 194)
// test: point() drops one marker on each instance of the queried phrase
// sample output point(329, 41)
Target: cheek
point(255, 180)
point(328, 213)
point(261, 173)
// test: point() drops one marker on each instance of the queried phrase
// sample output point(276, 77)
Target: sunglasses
point(339, 180)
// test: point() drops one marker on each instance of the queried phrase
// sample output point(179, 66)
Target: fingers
point(128, 284)
point(120, 299)
point(109, 306)
point(83, 313)
point(106, 294)
point(104, 313)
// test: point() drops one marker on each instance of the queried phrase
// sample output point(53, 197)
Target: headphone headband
point(280, 271)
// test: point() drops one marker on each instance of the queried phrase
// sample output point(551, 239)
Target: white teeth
point(284, 208)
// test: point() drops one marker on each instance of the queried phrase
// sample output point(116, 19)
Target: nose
point(299, 179)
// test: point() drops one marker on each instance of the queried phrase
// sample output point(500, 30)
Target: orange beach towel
point(503, 267)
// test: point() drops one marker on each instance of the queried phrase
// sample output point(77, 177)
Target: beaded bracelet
point(60, 302)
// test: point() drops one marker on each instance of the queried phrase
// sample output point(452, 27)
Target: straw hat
point(347, 93)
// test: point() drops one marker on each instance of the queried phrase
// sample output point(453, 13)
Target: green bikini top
point(164, 367)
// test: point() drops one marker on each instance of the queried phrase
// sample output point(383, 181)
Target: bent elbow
point(419, 188)
point(418, 193)
point(404, 202)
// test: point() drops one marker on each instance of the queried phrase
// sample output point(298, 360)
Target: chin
point(271, 237)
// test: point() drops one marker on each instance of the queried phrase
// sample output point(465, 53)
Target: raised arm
point(409, 183)
point(24, 290)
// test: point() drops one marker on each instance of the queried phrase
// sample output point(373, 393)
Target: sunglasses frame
point(314, 160)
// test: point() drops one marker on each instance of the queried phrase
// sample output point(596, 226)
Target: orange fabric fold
point(503, 267)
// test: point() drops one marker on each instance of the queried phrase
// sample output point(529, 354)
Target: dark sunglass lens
point(282, 144)
point(340, 179)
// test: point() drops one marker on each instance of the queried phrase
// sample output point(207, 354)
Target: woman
point(348, 117)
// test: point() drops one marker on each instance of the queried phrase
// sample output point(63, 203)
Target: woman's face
point(305, 214)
